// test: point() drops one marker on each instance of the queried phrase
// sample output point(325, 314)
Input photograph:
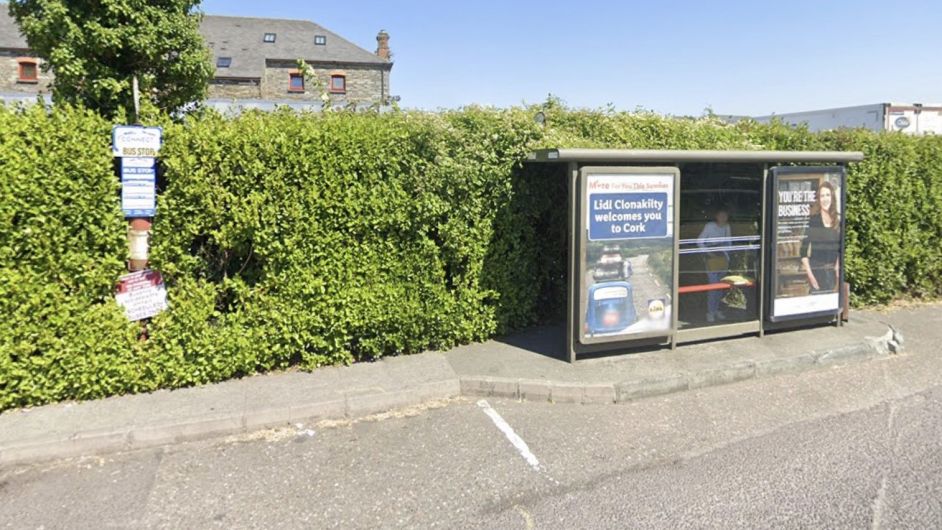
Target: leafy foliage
point(344, 236)
point(96, 48)
point(61, 248)
point(301, 239)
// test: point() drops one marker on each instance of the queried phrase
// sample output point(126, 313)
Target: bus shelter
point(679, 246)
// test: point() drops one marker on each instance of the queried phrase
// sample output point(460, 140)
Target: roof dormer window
point(269, 38)
point(320, 40)
point(223, 62)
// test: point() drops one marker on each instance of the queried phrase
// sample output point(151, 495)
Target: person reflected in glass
point(821, 249)
point(716, 235)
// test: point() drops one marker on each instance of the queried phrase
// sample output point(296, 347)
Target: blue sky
point(674, 57)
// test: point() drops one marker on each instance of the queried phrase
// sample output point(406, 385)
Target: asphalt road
point(848, 447)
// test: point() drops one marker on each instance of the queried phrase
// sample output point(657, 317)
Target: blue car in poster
point(611, 307)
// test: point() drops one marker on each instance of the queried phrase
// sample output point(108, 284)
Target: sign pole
point(138, 244)
point(138, 227)
point(141, 292)
point(136, 93)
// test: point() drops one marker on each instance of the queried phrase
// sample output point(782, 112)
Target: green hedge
point(61, 249)
point(285, 239)
point(345, 237)
point(294, 239)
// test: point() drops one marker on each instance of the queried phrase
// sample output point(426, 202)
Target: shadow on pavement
point(548, 340)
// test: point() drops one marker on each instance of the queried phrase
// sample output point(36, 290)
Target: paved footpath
point(526, 366)
point(847, 445)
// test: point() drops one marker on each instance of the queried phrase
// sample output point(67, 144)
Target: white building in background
point(909, 118)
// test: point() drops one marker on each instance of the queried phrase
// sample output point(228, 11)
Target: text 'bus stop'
point(674, 246)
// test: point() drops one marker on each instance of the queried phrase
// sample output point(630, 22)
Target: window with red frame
point(296, 82)
point(29, 72)
point(338, 84)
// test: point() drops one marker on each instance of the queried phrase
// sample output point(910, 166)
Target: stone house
point(20, 71)
point(255, 59)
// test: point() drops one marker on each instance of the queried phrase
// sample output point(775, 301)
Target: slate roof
point(241, 38)
point(10, 36)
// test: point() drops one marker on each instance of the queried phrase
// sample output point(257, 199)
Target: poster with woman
point(808, 242)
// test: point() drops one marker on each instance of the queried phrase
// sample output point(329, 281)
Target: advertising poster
point(808, 221)
point(628, 263)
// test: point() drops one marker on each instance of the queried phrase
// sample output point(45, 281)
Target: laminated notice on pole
point(142, 294)
point(139, 187)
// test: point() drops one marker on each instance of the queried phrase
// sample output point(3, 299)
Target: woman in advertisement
point(821, 248)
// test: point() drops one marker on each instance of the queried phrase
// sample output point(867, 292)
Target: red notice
point(142, 294)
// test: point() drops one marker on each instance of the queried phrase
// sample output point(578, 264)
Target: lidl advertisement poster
point(628, 262)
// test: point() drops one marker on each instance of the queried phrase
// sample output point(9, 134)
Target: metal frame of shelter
point(620, 161)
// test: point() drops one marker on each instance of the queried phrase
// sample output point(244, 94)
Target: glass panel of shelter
point(720, 243)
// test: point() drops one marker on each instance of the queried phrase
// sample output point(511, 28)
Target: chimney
point(382, 45)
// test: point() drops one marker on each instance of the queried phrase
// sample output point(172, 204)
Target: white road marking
point(508, 431)
point(526, 517)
